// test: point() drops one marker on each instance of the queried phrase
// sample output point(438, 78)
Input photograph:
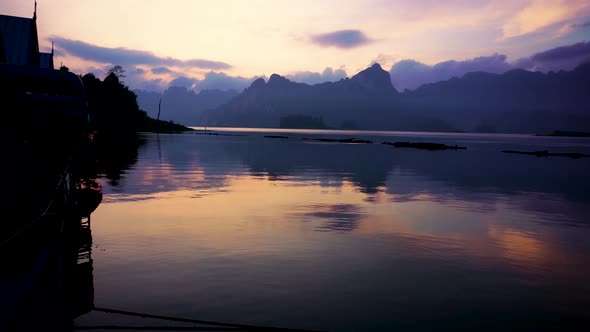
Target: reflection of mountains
point(462, 174)
point(206, 163)
point(110, 157)
point(173, 162)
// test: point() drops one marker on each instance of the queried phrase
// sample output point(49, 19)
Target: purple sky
point(228, 43)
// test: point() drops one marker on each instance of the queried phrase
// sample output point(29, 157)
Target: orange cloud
point(540, 14)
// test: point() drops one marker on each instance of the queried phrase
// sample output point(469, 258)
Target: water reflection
point(343, 237)
point(111, 157)
point(333, 217)
point(482, 175)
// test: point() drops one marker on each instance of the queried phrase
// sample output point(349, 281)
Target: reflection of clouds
point(549, 208)
point(541, 252)
point(481, 243)
point(519, 247)
point(552, 207)
point(111, 198)
point(145, 184)
point(480, 176)
point(164, 195)
point(404, 226)
point(334, 217)
point(168, 163)
point(404, 187)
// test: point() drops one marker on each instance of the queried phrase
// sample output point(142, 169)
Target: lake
point(297, 233)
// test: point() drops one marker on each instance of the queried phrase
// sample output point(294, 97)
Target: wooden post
point(158, 118)
point(159, 109)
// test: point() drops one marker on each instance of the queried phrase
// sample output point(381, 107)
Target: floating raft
point(342, 140)
point(276, 136)
point(425, 146)
point(575, 155)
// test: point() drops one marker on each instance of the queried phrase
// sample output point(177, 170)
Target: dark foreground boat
point(44, 127)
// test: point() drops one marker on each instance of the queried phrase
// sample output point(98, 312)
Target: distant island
point(313, 122)
point(566, 133)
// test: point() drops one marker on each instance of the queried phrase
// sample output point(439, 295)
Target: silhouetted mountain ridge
point(515, 101)
point(367, 99)
point(373, 79)
point(515, 90)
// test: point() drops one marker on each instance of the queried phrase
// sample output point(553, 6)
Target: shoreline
point(366, 132)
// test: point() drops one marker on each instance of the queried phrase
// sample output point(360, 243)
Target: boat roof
point(18, 40)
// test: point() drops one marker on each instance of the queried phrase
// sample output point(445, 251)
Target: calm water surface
point(347, 237)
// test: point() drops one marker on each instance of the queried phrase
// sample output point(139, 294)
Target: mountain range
point(180, 104)
point(515, 101)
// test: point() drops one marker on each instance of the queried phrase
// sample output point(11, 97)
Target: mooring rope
point(220, 326)
point(157, 328)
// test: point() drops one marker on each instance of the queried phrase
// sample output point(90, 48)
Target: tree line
point(113, 108)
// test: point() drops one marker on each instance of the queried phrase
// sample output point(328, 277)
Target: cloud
point(581, 25)
point(410, 74)
point(342, 39)
point(174, 70)
point(383, 60)
point(564, 52)
point(161, 70)
point(183, 81)
point(559, 58)
point(327, 75)
point(540, 14)
point(221, 81)
point(135, 78)
point(149, 85)
point(127, 57)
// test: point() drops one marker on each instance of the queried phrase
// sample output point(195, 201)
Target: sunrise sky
point(204, 43)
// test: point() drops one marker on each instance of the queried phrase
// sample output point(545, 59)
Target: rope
point(156, 328)
point(196, 321)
